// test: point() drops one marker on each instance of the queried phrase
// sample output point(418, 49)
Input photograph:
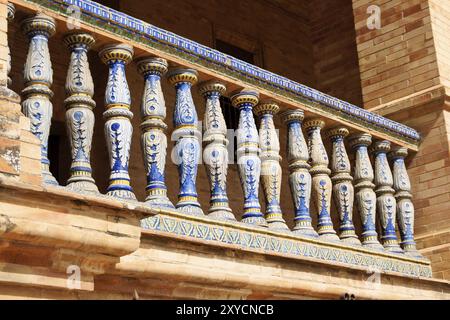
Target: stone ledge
point(436, 93)
point(169, 268)
point(225, 234)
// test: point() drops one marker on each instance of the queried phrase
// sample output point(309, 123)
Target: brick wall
point(440, 24)
point(336, 69)
point(404, 76)
point(398, 59)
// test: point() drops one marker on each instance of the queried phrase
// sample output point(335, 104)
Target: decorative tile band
point(267, 243)
point(142, 32)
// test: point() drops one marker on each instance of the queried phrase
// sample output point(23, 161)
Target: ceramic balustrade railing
point(323, 183)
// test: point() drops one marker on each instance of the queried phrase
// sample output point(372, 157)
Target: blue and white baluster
point(38, 75)
point(153, 139)
point(215, 154)
point(386, 204)
point(79, 116)
point(270, 164)
point(321, 182)
point(299, 176)
point(186, 153)
point(249, 163)
point(10, 16)
point(343, 192)
point(365, 198)
point(118, 129)
point(405, 207)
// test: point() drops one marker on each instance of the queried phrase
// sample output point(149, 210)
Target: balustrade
point(373, 193)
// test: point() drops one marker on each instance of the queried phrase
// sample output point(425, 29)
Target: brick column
point(19, 148)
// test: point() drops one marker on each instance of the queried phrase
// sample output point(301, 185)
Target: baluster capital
point(380, 146)
point(312, 124)
point(116, 52)
point(153, 65)
point(359, 139)
point(266, 107)
point(179, 75)
point(212, 87)
point(79, 40)
point(337, 133)
point(41, 24)
point(398, 153)
point(11, 11)
point(289, 116)
point(244, 97)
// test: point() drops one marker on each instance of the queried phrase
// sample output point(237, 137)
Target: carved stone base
point(374, 244)
point(48, 178)
point(83, 187)
point(122, 194)
point(329, 237)
point(192, 210)
point(222, 215)
point(279, 226)
point(392, 246)
point(306, 231)
point(412, 252)
point(351, 240)
point(257, 221)
point(157, 202)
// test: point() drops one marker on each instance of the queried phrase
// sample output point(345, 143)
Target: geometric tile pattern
point(293, 246)
point(137, 30)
